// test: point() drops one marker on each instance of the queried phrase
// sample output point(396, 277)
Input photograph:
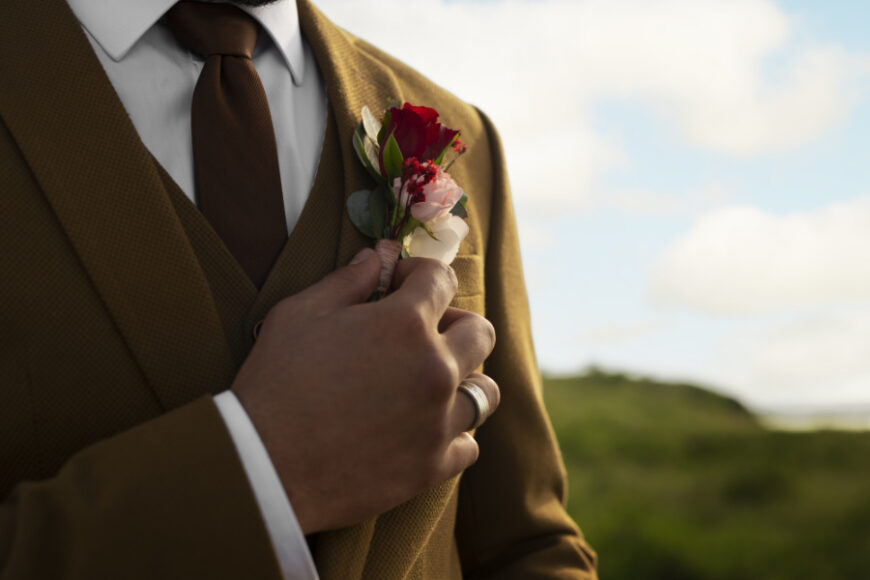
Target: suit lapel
point(324, 238)
point(103, 185)
point(352, 83)
point(109, 199)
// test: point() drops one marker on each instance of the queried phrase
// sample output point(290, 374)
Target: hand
point(356, 402)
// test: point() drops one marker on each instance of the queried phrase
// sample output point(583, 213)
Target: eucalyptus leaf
point(367, 153)
point(357, 137)
point(393, 158)
point(387, 192)
point(370, 123)
point(371, 151)
point(461, 207)
point(359, 146)
point(359, 213)
point(378, 212)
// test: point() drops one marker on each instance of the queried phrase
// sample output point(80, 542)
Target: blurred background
point(691, 182)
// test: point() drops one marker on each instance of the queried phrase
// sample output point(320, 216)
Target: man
point(124, 311)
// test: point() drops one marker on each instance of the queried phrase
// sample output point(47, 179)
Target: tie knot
point(206, 28)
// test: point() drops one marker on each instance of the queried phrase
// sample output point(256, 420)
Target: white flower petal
point(449, 230)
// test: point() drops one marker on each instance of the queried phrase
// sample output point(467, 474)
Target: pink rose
point(437, 196)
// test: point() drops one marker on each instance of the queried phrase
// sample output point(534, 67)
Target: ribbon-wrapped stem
point(388, 251)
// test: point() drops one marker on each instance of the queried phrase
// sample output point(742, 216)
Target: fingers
point(429, 284)
point(352, 284)
point(465, 410)
point(469, 336)
point(461, 454)
point(462, 450)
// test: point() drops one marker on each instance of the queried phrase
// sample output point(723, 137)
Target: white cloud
point(611, 334)
point(818, 359)
point(740, 260)
point(535, 235)
point(723, 71)
point(691, 202)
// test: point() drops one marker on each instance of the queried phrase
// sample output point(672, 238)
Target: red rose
point(417, 132)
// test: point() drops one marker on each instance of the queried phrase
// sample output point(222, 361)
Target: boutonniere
point(416, 208)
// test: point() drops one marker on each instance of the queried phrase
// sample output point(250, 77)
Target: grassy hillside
point(673, 482)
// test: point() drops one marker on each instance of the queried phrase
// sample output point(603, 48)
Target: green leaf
point(393, 158)
point(367, 152)
point(444, 151)
point(370, 124)
point(371, 149)
point(378, 209)
point(385, 125)
point(359, 145)
point(358, 134)
point(387, 192)
point(461, 207)
point(359, 213)
point(429, 232)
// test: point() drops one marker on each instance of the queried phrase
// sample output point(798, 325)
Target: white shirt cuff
point(287, 538)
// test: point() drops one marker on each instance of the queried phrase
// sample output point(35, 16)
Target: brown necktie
point(238, 185)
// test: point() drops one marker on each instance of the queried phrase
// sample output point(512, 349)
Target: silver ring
point(479, 400)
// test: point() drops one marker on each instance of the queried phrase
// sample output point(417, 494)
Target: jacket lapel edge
point(108, 197)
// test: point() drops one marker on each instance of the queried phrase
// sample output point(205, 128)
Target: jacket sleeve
point(166, 499)
point(512, 521)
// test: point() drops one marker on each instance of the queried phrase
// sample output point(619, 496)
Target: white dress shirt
point(154, 78)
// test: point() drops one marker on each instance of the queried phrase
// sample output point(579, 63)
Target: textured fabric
point(238, 184)
point(155, 78)
point(288, 541)
point(123, 307)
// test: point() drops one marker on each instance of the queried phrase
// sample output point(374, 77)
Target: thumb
point(352, 284)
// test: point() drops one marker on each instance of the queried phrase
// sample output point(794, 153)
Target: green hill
point(674, 482)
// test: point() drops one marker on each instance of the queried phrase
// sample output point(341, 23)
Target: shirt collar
point(118, 24)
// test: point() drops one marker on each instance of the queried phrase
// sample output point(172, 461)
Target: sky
point(690, 178)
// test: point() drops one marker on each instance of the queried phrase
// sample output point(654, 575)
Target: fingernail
point(361, 256)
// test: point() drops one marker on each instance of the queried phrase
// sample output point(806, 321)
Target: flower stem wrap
point(388, 251)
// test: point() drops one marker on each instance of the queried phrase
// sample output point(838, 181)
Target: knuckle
point(415, 322)
point(442, 273)
point(484, 330)
point(440, 375)
point(473, 451)
point(440, 435)
point(493, 393)
point(449, 277)
point(470, 452)
point(407, 319)
point(490, 332)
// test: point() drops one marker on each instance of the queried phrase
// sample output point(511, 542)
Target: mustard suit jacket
point(121, 313)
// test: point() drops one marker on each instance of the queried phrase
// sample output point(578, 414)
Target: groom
point(146, 432)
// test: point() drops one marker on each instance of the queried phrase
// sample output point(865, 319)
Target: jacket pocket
point(470, 294)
